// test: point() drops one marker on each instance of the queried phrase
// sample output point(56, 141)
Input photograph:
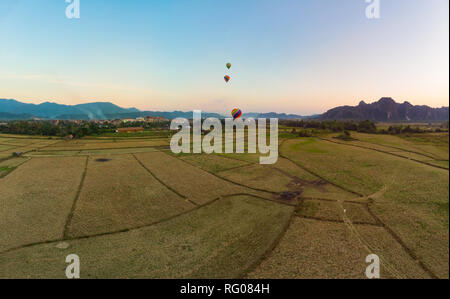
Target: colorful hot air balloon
point(228, 65)
point(227, 78)
point(236, 113)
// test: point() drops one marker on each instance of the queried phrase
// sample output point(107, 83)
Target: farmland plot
point(118, 193)
point(36, 200)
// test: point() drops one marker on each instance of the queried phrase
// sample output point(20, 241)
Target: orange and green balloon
point(228, 65)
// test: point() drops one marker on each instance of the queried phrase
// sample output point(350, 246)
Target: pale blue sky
point(298, 56)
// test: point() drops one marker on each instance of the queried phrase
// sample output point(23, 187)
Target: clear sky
point(296, 56)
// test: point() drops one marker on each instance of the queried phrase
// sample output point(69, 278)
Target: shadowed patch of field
point(36, 199)
point(118, 193)
point(221, 240)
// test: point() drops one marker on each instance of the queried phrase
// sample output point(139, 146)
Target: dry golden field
point(132, 209)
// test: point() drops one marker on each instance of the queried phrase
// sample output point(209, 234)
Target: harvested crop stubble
point(430, 144)
point(414, 203)
point(398, 263)
point(36, 199)
point(259, 177)
point(320, 209)
point(292, 169)
point(190, 181)
point(315, 249)
point(119, 193)
point(213, 163)
point(220, 240)
point(358, 213)
point(327, 191)
point(105, 145)
point(118, 151)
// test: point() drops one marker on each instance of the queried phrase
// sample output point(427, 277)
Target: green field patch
point(221, 240)
point(36, 199)
point(119, 193)
point(308, 145)
point(429, 145)
point(4, 147)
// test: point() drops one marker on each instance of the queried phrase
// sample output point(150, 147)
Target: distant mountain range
point(57, 111)
point(15, 110)
point(386, 109)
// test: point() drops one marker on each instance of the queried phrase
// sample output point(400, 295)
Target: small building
point(154, 119)
point(140, 119)
point(130, 130)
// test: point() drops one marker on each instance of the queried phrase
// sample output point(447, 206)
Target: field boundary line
point(262, 198)
point(313, 173)
point(98, 149)
point(221, 178)
point(112, 232)
point(13, 168)
point(368, 248)
point(236, 167)
point(269, 250)
point(320, 177)
point(387, 153)
point(402, 244)
point(403, 150)
point(319, 199)
point(162, 183)
point(319, 218)
point(77, 196)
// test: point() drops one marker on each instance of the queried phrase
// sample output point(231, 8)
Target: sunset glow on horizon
point(290, 56)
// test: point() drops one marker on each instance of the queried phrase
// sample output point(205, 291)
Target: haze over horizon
point(300, 57)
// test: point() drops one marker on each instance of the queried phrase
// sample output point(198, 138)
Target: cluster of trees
point(48, 128)
point(66, 128)
point(407, 129)
point(365, 126)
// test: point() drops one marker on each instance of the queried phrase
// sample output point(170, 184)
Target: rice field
point(132, 209)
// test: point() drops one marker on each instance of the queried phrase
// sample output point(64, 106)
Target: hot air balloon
point(228, 65)
point(227, 78)
point(236, 113)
